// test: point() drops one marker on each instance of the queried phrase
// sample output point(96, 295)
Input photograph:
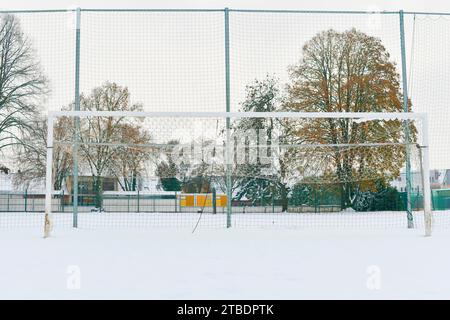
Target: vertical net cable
point(429, 93)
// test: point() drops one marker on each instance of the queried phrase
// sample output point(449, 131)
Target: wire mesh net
point(428, 73)
point(223, 60)
point(271, 44)
point(172, 172)
point(169, 61)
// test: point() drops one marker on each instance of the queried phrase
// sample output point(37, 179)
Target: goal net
point(253, 169)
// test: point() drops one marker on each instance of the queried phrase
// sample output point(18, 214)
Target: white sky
point(175, 61)
point(411, 5)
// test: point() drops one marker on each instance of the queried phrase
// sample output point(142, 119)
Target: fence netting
point(172, 171)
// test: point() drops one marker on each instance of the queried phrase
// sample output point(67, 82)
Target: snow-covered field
point(252, 220)
point(225, 264)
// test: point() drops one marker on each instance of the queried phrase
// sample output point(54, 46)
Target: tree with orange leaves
point(346, 72)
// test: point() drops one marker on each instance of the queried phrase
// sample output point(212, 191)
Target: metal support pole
point(409, 214)
point(138, 200)
point(48, 179)
point(214, 200)
point(26, 199)
point(77, 120)
point(228, 119)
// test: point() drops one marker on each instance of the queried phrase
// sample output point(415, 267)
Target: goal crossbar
point(212, 114)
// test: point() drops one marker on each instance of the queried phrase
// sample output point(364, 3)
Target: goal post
point(316, 151)
point(426, 177)
point(49, 177)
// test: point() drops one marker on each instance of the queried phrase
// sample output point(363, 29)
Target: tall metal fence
point(204, 60)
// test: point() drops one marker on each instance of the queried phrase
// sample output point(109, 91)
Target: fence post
point(425, 165)
point(409, 214)
point(214, 202)
point(48, 178)
point(176, 202)
point(315, 200)
point(273, 203)
point(228, 120)
point(77, 119)
point(26, 200)
point(138, 208)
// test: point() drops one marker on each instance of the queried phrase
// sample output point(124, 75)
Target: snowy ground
point(224, 264)
point(253, 220)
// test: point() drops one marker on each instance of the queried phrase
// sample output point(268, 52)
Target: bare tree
point(129, 161)
point(167, 170)
point(262, 181)
point(22, 83)
point(31, 157)
point(98, 134)
point(188, 167)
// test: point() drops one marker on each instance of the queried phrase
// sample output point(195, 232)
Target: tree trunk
point(284, 198)
point(98, 189)
point(343, 196)
point(134, 183)
point(346, 191)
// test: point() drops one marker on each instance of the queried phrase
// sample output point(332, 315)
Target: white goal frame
point(52, 115)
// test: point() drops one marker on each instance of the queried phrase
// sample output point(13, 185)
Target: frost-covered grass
point(225, 263)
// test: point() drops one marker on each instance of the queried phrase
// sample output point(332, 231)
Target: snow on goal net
point(253, 169)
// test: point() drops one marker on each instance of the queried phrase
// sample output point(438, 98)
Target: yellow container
point(221, 200)
point(204, 200)
point(187, 200)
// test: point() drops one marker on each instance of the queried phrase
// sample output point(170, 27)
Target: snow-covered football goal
point(112, 169)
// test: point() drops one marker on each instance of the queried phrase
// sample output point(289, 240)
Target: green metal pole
point(176, 196)
point(228, 120)
point(409, 214)
point(273, 202)
point(138, 202)
point(77, 120)
point(214, 202)
point(315, 200)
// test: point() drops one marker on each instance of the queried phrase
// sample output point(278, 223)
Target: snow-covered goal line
point(240, 169)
